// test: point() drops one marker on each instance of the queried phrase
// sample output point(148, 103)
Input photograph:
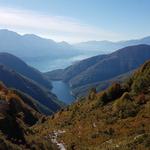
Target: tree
point(114, 91)
point(92, 94)
point(103, 98)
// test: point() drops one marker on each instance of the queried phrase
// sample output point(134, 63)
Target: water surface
point(62, 91)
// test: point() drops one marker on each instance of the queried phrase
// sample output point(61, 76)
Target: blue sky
point(77, 20)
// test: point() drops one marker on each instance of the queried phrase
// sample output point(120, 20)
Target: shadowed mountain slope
point(14, 63)
point(14, 80)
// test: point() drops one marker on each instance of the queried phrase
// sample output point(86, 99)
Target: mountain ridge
point(29, 44)
point(15, 73)
point(103, 67)
point(15, 63)
point(109, 46)
point(11, 79)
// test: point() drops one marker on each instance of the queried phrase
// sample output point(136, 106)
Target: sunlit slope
point(117, 118)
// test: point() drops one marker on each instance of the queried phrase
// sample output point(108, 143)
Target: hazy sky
point(77, 20)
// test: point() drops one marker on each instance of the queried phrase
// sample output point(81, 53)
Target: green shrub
point(92, 94)
point(141, 85)
point(125, 107)
point(103, 99)
point(114, 91)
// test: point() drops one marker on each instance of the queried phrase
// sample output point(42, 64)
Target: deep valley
point(74, 75)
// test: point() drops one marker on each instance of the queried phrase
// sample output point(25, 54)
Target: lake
point(62, 91)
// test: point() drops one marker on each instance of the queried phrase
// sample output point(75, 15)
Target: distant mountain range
point(115, 118)
point(30, 46)
point(102, 67)
point(103, 47)
point(15, 73)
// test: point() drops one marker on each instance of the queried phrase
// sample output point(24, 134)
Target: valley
point(100, 71)
point(116, 118)
point(75, 102)
point(74, 75)
point(100, 102)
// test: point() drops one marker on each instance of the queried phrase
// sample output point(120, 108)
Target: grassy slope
point(117, 118)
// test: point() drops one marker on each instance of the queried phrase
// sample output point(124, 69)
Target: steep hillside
point(117, 118)
point(119, 62)
point(14, 63)
point(15, 80)
point(103, 67)
point(102, 85)
point(16, 116)
point(18, 113)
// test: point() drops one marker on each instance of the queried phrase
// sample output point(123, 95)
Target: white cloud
point(55, 27)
